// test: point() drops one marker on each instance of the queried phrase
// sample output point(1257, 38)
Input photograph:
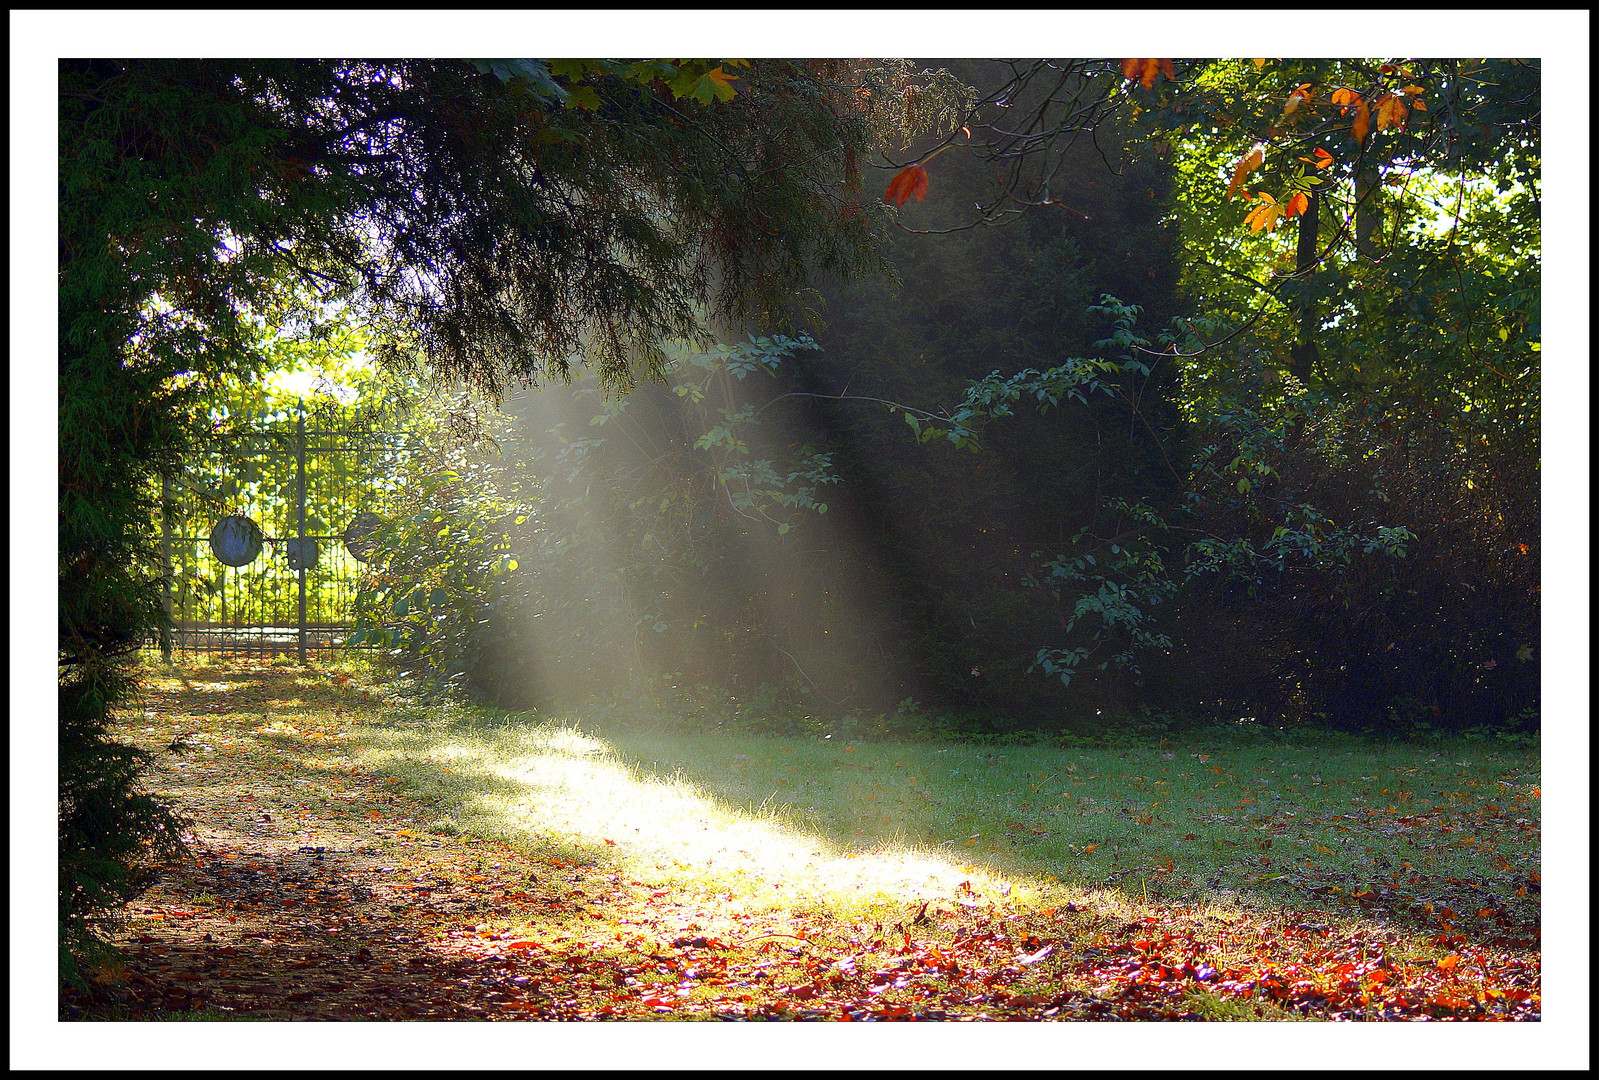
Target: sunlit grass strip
point(788, 819)
point(551, 783)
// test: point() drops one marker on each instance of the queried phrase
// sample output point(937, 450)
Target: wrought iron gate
point(314, 491)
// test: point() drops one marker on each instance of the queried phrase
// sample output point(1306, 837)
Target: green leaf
point(583, 97)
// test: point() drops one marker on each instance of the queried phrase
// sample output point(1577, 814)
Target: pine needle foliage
point(491, 221)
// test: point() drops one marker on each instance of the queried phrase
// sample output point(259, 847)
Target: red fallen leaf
point(911, 180)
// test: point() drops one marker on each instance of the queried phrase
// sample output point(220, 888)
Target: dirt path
point(290, 911)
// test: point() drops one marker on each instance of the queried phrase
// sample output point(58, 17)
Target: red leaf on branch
point(911, 180)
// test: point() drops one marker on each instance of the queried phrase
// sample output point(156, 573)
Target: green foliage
point(470, 225)
point(523, 558)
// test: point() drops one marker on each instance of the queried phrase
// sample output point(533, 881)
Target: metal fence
point(313, 485)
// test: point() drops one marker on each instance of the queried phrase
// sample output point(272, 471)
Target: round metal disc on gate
point(359, 536)
point(236, 540)
point(301, 554)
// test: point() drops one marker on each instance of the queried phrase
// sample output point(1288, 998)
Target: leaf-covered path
point(318, 891)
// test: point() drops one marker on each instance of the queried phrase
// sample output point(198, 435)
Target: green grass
point(1304, 866)
point(1384, 828)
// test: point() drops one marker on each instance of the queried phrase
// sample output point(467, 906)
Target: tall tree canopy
point(493, 219)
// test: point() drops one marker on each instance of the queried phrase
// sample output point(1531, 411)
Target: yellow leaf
point(1259, 62)
point(1343, 96)
point(1411, 90)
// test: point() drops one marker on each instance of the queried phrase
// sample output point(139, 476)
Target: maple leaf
point(911, 180)
point(723, 81)
point(1246, 165)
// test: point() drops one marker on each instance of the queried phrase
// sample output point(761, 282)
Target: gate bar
point(299, 448)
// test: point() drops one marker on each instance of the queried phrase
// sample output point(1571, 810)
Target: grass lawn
point(630, 873)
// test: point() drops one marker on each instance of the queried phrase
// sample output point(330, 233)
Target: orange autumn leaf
point(1301, 94)
point(1391, 112)
point(1362, 122)
point(1323, 158)
point(1144, 70)
point(1296, 206)
point(911, 180)
point(1344, 96)
point(1448, 963)
point(1089, 850)
point(1246, 165)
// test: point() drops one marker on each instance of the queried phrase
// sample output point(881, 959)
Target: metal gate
point(315, 486)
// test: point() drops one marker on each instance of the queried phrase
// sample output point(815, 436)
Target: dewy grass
point(1356, 825)
point(1227, 882)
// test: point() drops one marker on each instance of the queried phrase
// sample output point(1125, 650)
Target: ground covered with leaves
point(358, 857)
